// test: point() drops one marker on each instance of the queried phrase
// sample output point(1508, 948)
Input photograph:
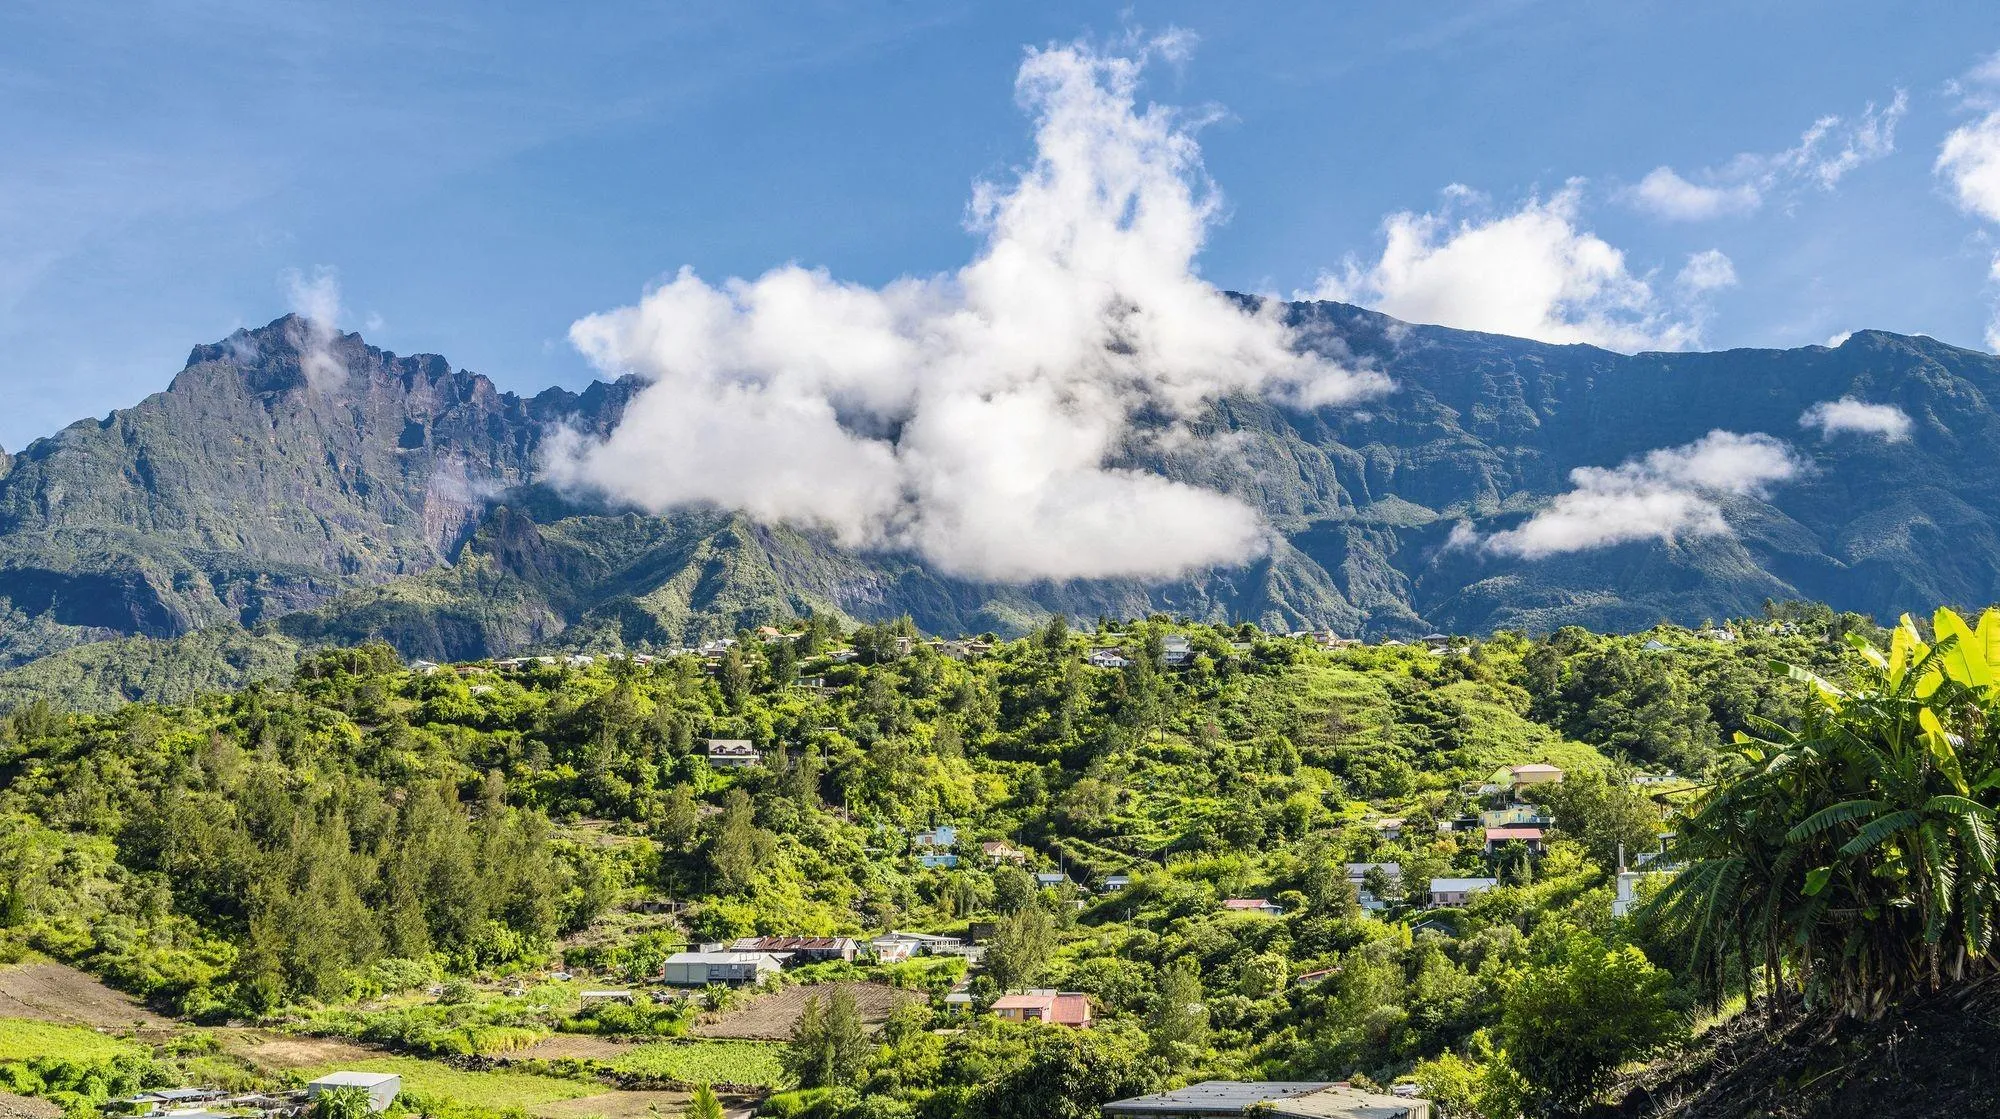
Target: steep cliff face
point(247, 490)
point(395, 499)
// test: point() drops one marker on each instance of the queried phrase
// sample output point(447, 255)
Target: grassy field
point(707, 1062)
point(22, 1038)
point(496, 1090)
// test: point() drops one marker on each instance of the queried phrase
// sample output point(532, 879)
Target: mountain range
point(249, 509)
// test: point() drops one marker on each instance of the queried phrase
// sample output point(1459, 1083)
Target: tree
point(1020, 947)
point(1070, 1075)
point(740, 847)
point(830, 1042)
point(1855, 858)
point(1604, 816)
point(704, 1105)
point(1178, 1023)
point(1566, 1027)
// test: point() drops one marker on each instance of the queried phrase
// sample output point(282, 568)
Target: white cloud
point(971, 417)
point(1706, 271)
point(1839, 340)
point(1665, 193)
point(1663, 495)
point(1832, 417)
point(316, 299)
point(1531, 273)
point(1969, 160)
point(1825, 153)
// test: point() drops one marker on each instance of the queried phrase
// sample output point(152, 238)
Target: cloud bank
point(1663, 495)
point(973, 417)
point(316, 299)
point(1848, 414)
point(1825, 153)
point(1532, 273)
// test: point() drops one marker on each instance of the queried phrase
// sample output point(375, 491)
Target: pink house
point(1497, 836)
point(1061, 1008)
point(1252, 905)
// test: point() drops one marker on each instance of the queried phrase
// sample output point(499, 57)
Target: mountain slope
point(397, 503)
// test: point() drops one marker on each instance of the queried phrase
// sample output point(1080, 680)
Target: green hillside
point(318, 851)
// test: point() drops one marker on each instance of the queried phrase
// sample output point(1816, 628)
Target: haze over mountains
point(401, 502)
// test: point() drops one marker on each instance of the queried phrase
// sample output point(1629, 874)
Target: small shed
point(380, 1086)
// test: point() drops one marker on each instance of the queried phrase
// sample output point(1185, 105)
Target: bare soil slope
point(55, 993)
point(1931, 1059)
point(770, 1017)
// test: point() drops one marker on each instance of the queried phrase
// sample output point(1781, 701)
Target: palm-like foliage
point(1854, 860)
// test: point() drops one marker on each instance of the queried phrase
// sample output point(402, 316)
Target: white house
point(1357, 876)
point(700, 969)
point(733, 753)
point(1108, 658)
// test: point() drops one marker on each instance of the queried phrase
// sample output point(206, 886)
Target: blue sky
point(481, 176)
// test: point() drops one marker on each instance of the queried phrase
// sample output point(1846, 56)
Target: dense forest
point(313, 852)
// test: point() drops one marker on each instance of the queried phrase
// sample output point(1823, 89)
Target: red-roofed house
point(1530, 836)
point(1062, 1008)
point(1252, 905)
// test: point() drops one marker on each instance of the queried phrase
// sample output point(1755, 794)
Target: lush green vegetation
point(397, 856)
point(706, 1062)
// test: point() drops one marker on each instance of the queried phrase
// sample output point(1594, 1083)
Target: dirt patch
point(277, 1052)
point(55, 993)
point(771, 1017)
point(575, 1045)
point(637, 1105)
point(25, 1107)
point(1932, 1058)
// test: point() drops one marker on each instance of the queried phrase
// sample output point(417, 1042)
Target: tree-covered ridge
point(365, 826)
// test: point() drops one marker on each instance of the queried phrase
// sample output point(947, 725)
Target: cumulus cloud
point(1532, 273)
point(1848, 414)
point(1969, 161)
point(1706, 271)
point(975, 418)
point(1664, 192)
point(316, 300)
point(1825, 153)
point(1662, 495)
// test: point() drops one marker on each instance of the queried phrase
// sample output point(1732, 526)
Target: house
point(424, 667)
point(801, 949)
point(1454, 891)
point(1252, 905)
point(768, 634)
point(733, 753)
point(579, 660)
point(380, 1086)
point(1357, 876)
point(1539, 773)
point(1112, 883)
point(1177, 651)
point(1051, 879)
point(1000, 851)
point(1498, 836)
point(1514, 816)
point(1270, 1099)
point(915, 944)
point(701, 969)
point(1309, 978)
point(1108, 658)
point(1390, 827)
point(1655, 645)
point(1059, 1008)
point(934, 847)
